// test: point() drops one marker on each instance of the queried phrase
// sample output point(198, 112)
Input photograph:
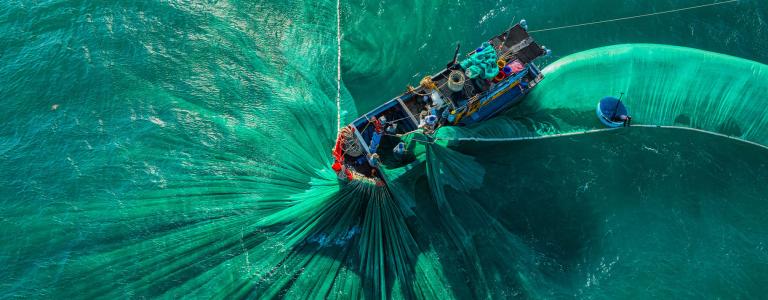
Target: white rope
point(338, 65)
point(531, 137)
point(703, 131)
point(603, 130)
point(638, 16)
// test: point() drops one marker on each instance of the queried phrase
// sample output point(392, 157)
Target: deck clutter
point(490, 80)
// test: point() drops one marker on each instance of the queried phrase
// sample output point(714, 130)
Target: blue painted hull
point(606, 108)
point(443, 99)
point(502, 97)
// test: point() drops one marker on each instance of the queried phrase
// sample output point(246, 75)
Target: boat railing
point(482, 96)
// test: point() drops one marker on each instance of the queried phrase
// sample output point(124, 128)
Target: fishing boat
point(490, 80)
point(613, 113)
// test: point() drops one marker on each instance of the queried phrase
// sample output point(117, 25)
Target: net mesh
point(663, 85)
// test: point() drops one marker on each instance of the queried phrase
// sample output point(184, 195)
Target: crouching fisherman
point(399, 151)
point(429, 124)
point(627, 120)
point(373, 161)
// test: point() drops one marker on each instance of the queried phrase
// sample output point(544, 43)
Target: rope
point(533, 137)
point(601, 130)
point(413, 90)
point(638, 16)
point(402, 134)
point(338, 65)
point(398, 120)
point(427, 83)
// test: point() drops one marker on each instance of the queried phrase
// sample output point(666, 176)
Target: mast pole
point(616, 109)
point(455, 56)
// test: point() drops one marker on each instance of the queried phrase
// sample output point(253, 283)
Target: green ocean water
point(181, 149)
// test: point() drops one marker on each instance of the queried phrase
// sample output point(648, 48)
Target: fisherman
point(389, 127)
point(445, 115)
point(342, 173)
point(392, 128)
point(430, 120)
point(424, 114)
point(425, 99)
point(375, 141)
point(399, 150)
point(373, 161)
point(376, 123)
point(627, 121)
point(429, 124)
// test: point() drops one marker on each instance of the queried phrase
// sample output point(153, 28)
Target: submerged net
point(143, 184)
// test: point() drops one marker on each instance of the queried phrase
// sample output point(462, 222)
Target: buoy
point(524, 24)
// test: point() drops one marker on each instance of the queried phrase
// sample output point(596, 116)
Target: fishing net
point(663, 85)
point(482, 179)
point(190, 157)
point(590, 209)
point(481, 63)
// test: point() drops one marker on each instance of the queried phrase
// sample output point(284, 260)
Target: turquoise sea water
point(181, 148)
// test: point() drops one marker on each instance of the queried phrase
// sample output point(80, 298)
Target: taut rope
point(338, 65)
point(635, 17)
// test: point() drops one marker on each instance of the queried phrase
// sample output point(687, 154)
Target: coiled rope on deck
point(635, 17)
point(427, 84)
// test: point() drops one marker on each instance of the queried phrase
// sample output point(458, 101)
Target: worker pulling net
point(350, 145)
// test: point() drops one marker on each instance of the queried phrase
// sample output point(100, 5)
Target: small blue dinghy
point(612, 112)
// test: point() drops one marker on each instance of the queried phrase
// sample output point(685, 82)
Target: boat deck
point(428, 109)
point(514, 44)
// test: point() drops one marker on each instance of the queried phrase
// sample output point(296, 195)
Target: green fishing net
point(481, 63)
point(190, 157)
point(662, 85)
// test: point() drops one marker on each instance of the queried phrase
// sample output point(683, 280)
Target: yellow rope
point(427, 83)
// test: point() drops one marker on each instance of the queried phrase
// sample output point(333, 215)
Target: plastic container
point(499, 77)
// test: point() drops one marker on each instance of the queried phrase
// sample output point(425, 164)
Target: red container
point(499, 77)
